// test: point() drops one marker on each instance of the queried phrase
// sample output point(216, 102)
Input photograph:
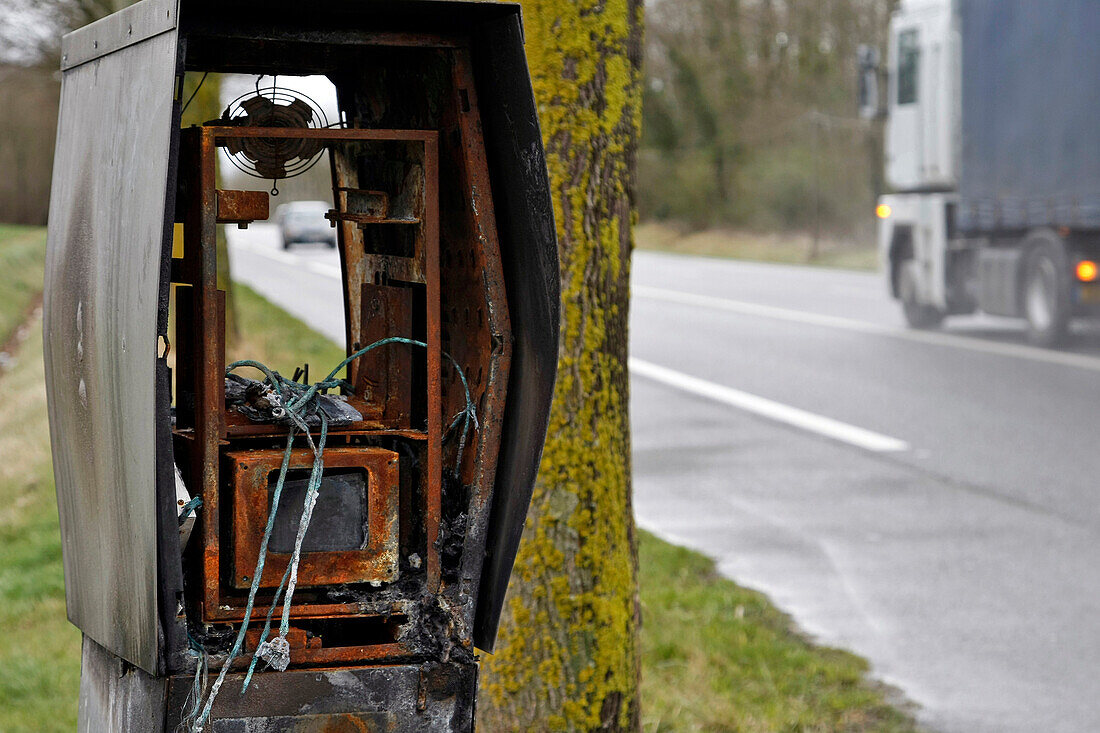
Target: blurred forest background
point(30, 87)
point(749, 118)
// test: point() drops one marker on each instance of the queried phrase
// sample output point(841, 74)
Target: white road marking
point(859, 437)
point(1016, 351)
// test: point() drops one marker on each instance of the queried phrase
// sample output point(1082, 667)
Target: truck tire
point(1045, 294)
point(917, 314)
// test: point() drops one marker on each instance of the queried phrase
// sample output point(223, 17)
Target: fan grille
point(274, 158)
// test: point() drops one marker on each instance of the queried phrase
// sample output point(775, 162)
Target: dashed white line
point(1016, 351)
point(793, 416)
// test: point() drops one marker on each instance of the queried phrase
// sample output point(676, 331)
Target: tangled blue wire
point(297, 401)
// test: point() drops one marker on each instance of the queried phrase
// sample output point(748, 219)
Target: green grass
point(272, 336)
point(716, 657)
point(39, 650)
point(22, 263)
point(791, 249)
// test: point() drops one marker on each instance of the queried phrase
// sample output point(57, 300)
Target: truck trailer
point(992, 153)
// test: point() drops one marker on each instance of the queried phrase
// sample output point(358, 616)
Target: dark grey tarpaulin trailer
point(1030, 152)
point(438, 90)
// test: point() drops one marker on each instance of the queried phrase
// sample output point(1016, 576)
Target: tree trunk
point(567, 654)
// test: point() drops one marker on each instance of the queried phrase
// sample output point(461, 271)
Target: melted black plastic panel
point(529, 250)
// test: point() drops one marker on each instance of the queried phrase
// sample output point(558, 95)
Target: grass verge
point(716, 657)
point(39, 650)
point(270, 335)
point(22, 264)
point(791, 249)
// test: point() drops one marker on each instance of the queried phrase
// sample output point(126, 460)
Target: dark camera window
point(339, 521)
point(908, 61)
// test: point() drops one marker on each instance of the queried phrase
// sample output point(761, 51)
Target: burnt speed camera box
point(441, 212)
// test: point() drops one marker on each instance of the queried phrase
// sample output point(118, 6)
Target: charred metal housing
point(445, 231)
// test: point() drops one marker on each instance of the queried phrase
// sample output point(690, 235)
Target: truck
point(992, 158)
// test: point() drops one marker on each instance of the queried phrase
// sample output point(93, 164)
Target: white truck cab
point(922, 128)
point(922, 142)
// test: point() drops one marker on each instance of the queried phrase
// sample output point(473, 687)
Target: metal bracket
point(132, 25)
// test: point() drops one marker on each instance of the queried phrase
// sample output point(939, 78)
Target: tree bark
point(567, 654)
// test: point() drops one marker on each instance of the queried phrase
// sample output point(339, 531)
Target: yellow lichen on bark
point(567, 652)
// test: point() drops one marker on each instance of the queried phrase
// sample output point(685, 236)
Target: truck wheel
point(917, 314)
point(1046, 295)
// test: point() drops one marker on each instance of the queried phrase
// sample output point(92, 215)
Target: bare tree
point(31, 30)
point(28, 116)
point(30, 50)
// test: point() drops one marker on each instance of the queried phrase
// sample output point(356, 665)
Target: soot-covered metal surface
point(103, 268)
point(441, 205)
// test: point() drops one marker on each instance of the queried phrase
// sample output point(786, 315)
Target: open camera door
point(107, 237)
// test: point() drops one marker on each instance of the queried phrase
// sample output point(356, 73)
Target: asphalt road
point(927, 500)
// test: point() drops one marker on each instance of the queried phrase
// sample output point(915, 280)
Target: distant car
point(302, 222)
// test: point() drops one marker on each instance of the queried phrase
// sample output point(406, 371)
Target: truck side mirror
point(868, 96)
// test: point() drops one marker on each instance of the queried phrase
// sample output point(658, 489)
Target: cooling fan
point(274, 158)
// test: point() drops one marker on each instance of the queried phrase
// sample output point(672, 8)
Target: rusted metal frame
point(219, 610)
point(343, 655)
point(221, 134)
point(398, 612)
point(366, 219)
point(231, 34)
point(375, 562)
point(382, 383)
point(392, 705)
point(295, 636)
point(237, 425)
point(343, 201)
point(349, 235)
point(350, 238)
point(481, 461)
point(208, 339)
point(434, 499)
point(353, 261)
point(209, 303)
point(313, 611)
point(390, 652)
point(260, 432)
point(405, 269)
point(242, 207)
